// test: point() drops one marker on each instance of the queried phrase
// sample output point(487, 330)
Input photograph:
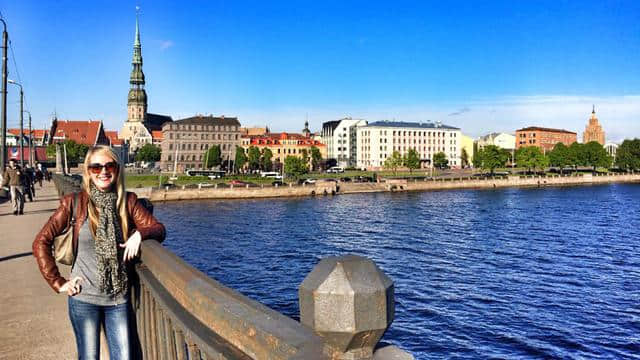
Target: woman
point(110, 224)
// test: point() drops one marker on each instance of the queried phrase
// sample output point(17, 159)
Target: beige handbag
point(63, 243)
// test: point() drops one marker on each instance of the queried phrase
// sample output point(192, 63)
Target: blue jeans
point(87, 319)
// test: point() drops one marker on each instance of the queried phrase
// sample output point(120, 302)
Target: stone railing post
point(350, 302)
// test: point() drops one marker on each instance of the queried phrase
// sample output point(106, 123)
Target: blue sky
point(480, 65)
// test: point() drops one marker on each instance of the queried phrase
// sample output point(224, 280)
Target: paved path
point(33, 319)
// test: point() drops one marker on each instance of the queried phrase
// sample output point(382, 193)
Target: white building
point(340, 138)
point(612, 149)
point(377, 141)
point(501, 140)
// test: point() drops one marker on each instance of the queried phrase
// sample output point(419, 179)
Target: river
point(507, 273)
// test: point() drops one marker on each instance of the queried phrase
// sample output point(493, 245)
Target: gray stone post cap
point(349, 301)
point(392, 352)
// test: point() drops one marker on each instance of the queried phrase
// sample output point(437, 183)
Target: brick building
point(544, 138)
point(188, 139)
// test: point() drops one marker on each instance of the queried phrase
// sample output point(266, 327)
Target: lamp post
point(3, 141)
point(21, 121)
point(30, 140)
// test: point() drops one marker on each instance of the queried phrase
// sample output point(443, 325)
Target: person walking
point(29, 182)
point(14, 178)
point(39, 174)
point(110, 224)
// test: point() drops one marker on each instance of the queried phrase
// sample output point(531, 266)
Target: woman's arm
point(43, 243)
point(145, 223)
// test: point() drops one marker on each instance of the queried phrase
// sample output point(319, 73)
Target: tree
point(75, 151)
point(294, 166)
point(440, 160)
point(305, 155)
point(492, 157)
point(254, 158)
point(464, 158)
point(628, 155)
point(559, 156)
point(412, 159)
point(316, 157)
point(595, 155)
point(477, 157)
point(531, 158)
point(393, 162)
point(241, 158)
point(266, 163)
point(148, 153)
point(212, 157)
point(576, 155)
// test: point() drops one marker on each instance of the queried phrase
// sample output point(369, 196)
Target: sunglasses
point(96, 168)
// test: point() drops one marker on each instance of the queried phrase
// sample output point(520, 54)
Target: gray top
point(85, 267)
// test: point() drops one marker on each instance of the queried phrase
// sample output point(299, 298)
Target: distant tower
point(137, 100)
point(306, 132)
point(593, 131)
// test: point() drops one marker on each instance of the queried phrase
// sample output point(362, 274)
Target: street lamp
point(30, 140)
point(21, 120)
point(3, 140)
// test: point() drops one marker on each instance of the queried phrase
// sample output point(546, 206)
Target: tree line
point(591, 154)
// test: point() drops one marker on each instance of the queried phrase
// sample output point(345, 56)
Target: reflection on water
point(535, 273)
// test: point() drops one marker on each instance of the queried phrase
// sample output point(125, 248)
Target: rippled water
point(512, 273)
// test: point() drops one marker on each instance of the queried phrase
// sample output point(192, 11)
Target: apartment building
point(378, 140)
point(340, 138)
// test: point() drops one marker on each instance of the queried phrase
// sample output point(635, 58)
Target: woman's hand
point(132, 246)
point(71, 287)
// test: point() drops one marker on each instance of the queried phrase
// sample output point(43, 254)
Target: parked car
point(335, 170)
point(345, 179)
point(237, 182)
point(279, 183)
point(309, 181)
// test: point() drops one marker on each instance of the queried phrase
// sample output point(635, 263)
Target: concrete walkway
point(33, 319)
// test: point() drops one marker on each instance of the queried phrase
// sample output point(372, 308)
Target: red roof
point(113, 137)
point(82, 132)
point(275, 138)
point(37, 133)
point(157, 135)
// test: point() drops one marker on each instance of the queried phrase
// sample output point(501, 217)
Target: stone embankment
point(392, 185)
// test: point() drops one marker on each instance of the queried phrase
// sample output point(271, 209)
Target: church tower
point(593, 131)
point(137, 100)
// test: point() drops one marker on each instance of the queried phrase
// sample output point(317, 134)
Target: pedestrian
point(39, 174)
point(14, 178)
point(29, 182)
point(110, 225)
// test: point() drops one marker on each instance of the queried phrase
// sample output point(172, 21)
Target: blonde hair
point(121, 202)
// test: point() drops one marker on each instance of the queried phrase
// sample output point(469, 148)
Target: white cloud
point(165, 44)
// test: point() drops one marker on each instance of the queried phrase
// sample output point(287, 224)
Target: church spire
point(137, 100)
point(594, 109)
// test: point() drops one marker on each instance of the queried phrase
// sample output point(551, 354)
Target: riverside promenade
point(33, 322)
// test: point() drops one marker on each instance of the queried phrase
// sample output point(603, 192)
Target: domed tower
point(137, 99)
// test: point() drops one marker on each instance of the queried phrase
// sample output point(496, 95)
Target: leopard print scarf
point(112, 272)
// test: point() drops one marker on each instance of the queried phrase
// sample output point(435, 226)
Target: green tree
point(254, 158)
point(559, 156)
point(213, 157)
point(492, 157)
point(241, 158)
point(628, 155)
point(531, 158)
point(148, 153)
point(316, 158)
point(294, 166)
point(576, 155)
point(440, 160)
point(595, 155)
point(477, 156)
point(75, 151)
point(464, 158)
point(266, 163)
point(393, 162)
point(412, 159)
point(305, 155)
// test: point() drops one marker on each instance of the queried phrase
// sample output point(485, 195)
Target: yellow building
point(466, 144)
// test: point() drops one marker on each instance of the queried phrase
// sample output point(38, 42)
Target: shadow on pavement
point(15, 256)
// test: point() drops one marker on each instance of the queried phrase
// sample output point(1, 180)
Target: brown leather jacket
point(139, 219)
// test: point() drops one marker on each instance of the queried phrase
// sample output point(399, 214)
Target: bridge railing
point(346, 305)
